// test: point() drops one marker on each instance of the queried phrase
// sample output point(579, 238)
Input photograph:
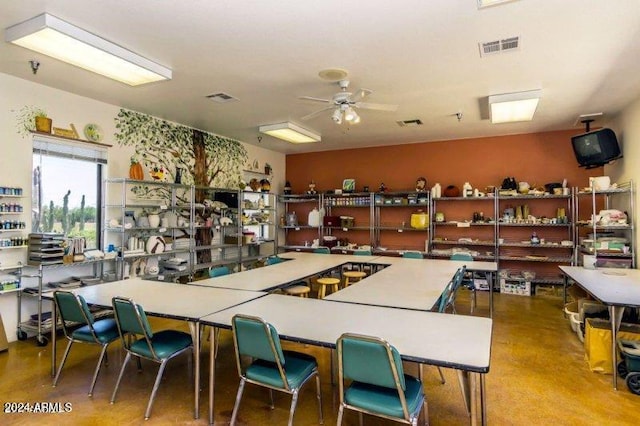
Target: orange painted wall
point(537, 158)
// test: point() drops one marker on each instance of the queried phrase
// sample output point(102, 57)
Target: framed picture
point(348, 185)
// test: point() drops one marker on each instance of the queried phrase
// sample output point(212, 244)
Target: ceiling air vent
point(221, 98)
point(499, 46)
point(409, 123)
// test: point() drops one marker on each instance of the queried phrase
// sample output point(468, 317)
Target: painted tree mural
point(202, 159)
point(205, 159)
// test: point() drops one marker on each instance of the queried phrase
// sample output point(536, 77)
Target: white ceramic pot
point(600, 183)
point(154, 220)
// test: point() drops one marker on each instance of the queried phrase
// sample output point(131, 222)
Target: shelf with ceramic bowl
point(537, 258)
point(486, 243)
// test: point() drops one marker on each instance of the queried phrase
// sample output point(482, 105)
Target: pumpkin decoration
point(135, 170)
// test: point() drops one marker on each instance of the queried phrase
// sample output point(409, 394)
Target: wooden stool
point(324, 283)
point(351, 277)
point(297, 290)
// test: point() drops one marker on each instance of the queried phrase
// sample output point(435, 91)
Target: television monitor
point(595, 149)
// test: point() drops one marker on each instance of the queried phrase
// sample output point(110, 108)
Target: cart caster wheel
point(633, 382)
point(42, 341)
point(22, 335)
point(622, 370)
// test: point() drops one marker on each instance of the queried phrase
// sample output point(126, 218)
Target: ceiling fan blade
point(311, 98)
point(360, 94)
point(379, 107)
point(313, 114)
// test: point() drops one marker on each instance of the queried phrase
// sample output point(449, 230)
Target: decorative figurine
point(312, 188)
point(383, 187)
point(421, 184)
point(287, 188)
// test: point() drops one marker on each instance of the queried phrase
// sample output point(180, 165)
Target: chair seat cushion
point(165, 344)
point(297, 366)
point(106, 331)
point(383, 400)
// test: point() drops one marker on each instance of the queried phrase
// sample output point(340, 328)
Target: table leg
point(615, 313)
point(473, 398)
point(196, 380)
point(54, 321)
point(212, 372)
point(489, 276)
point(565, 282)
point(463, 379)
point(483, 400)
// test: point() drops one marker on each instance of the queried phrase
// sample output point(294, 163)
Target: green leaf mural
point(204, 159)
point(200, 158)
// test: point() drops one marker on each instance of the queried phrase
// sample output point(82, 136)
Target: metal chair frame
point(69, 335)
point(286, 388)
point(129, 336)
point(407, 418)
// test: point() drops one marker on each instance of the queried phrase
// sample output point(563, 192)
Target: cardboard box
point(515, 286)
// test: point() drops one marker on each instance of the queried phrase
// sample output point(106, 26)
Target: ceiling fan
point(344, 104)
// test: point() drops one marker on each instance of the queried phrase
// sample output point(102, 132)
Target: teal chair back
point(378, 384)
point(370, 360)
point(322, 250)
point(72, 308)
point(218, 271)
point(257, 339)
point(362, 252)
point(461, 256)
point(447, 298)
point(132, 320)
point(273, 260)
point(412, 255)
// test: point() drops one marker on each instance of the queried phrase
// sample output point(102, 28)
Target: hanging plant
point(26, 119)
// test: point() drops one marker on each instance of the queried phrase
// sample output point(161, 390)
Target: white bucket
point(589, 261)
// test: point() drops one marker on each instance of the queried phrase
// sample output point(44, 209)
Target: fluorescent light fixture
point(513, 107)
point(488, 3)
point(54, 37)
point(290, 132)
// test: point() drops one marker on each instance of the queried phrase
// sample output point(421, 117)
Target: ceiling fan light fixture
point(290, 132)
point(337, 115)
point(61, 40)
point(356, 119)
point(513, 107)
point(350, 114)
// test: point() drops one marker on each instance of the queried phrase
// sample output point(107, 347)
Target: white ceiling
point(421, 55)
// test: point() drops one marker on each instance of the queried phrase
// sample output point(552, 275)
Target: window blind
point(76, 150)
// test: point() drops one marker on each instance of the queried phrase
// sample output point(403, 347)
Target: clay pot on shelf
point(43, 124)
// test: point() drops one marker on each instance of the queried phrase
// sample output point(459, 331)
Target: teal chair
point(271, 367)
point(322, 250)
point(468, 280)
point(73, 309)
point(378, 385)
point(158, 347)
point(362, 252)
point(412, 255)
point(448, 297)
point(273, 260)
point(218, 271)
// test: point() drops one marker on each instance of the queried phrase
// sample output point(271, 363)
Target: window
point(66, 188)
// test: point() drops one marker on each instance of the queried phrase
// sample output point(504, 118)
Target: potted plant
point(31, 118)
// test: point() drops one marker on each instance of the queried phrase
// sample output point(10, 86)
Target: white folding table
point(175, 301)
point(452, 341)
point(616, 288)
point(410, 283)
point(298, 266)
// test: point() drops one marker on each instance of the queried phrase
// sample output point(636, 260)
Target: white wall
point(65, 108)
point(627, 128)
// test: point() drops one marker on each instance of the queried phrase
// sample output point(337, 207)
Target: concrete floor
point(538, 377)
